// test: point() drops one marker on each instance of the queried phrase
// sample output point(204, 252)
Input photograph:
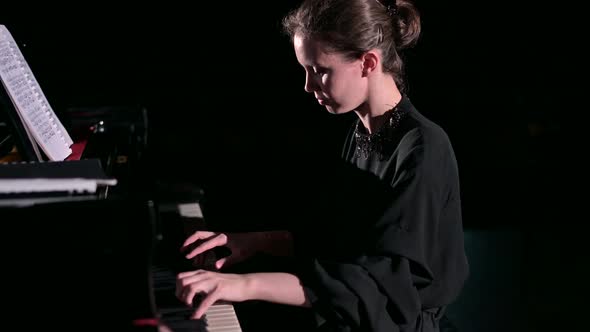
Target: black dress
point(385, 249)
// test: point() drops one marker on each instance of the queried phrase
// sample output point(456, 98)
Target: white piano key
point(190, 210)
point(222, 318)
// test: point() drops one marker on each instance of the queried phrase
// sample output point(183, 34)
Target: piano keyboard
point(176, 315)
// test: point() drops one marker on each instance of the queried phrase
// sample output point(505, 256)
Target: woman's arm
point(241, 245)
point(277, 287)
point(274, 287)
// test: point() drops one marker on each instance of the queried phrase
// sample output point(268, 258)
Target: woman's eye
point(320, 71)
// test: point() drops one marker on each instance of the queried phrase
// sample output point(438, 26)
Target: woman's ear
point(369, 62)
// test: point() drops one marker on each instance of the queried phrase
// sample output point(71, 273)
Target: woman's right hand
point(240, 246)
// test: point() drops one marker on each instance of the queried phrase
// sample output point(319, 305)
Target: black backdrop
point(220, 81)
point(227, 108)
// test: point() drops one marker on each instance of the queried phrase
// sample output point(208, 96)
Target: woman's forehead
point(311, 51)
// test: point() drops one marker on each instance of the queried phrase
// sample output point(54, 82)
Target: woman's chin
point(336, 110)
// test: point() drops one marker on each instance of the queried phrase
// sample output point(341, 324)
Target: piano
point(97, 260)
point(110, 257)
point(179, 221)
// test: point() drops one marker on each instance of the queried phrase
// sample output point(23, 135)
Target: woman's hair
point(352, 27)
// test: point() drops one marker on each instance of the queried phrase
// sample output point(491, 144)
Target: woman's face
point(336, 82)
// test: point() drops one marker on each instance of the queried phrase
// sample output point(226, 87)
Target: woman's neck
point(383, 96)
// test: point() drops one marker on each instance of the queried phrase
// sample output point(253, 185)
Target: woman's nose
point(310, 84)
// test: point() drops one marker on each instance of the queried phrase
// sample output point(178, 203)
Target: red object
point(77, 150)
point(151, 321)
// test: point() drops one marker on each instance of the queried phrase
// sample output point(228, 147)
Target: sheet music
point(29, 100)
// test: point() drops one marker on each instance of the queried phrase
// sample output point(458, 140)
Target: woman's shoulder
point(419, 127)
point(421, 133)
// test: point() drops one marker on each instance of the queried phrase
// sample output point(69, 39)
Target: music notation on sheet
point(33, 107)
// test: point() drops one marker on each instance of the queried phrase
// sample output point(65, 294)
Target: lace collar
point(379, 142)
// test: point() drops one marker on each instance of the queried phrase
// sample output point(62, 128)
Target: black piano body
point(81, 261)
point(78, 265)
point(110, 257)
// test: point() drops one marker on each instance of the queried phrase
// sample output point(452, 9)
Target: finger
point(199, 235)
point(220, 263)
point(191, 290)
point(184, 279)
point(206, 303)
point(219, 240)
point(163, 328)
point(189, 294)
point(196, 282)
point(186, 274)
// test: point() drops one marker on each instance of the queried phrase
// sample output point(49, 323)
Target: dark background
point(227, 109)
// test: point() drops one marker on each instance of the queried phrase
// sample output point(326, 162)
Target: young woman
point(404, 261)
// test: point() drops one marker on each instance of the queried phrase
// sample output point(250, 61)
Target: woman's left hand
point(216, 286)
